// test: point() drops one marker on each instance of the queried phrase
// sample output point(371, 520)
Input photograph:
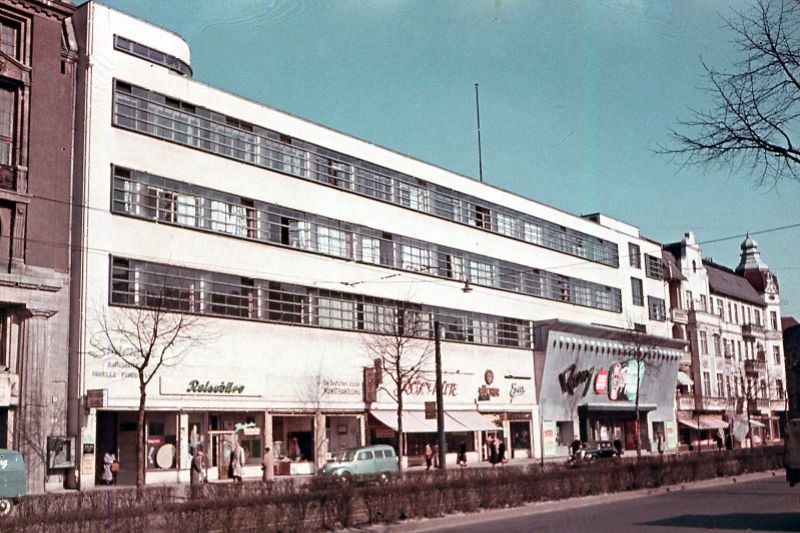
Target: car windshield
point(345, 456)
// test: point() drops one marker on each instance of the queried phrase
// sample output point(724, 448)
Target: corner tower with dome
point(732, 383)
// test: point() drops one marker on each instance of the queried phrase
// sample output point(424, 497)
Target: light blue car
point(376, 462)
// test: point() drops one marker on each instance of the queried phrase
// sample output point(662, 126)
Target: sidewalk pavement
point(462, 519)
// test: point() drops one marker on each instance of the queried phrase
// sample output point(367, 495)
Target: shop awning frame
point(454, 421)
point(704, 422)
point(618, 407)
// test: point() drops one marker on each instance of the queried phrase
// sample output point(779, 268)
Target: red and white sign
point(601, 381)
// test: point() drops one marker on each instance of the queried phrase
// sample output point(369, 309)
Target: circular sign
point(165, 456)
point(488, 376)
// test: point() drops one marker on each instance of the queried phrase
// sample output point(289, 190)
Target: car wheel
point(384, 478)
point(346, 477)
point(5, 506)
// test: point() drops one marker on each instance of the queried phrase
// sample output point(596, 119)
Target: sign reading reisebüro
point(224, 387)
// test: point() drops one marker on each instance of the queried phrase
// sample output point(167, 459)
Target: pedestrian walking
point(501, 452)
point(428, 456)
point(237, 462)
point(493, 451)
point(435, 449)
point(660, 444)
point(268, 466)
point(197, 469)
point(462, 454)
point(108, 467)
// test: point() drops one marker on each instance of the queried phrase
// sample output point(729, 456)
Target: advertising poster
point(549, 437)
point(671, 434)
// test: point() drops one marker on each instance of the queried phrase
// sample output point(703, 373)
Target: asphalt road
point(761, 505)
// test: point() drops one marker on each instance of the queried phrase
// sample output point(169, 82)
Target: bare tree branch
point(753, 116)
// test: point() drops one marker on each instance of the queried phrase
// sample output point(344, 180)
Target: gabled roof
point(724, 281)
point(672, 271)
point(788, 322)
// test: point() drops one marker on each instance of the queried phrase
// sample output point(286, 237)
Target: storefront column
point(184, 460)
point(33, 424)
point(268, 432)
point(320, 440)
point(362, 430)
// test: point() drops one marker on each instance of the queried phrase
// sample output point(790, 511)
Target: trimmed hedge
point(326, 504)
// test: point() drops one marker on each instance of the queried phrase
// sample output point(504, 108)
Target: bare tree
point(640, 350)
point(147, 340)
point(404, 349)
point(753, 120)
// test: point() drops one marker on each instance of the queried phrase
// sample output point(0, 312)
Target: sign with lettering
point(601, 381)
point(230, 387)
point(621, 381)
point(572, 379)
point(430, 410)
point(424, 387)
point(224, 387)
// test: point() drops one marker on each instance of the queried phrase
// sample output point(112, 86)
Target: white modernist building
point(301, 248)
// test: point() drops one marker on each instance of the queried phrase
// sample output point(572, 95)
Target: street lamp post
point(439, 396)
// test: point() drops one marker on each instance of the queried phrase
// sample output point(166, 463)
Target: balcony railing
point(759, 405)
point(752, 330)
point(685, 402)
point(714, 403)
point(755, 366)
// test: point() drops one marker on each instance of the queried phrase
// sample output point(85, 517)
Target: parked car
point(378, 462)
point(601, 449)
point(12, 480)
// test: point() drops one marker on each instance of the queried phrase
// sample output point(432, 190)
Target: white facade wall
point(276, 362)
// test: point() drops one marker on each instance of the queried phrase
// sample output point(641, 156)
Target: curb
point(455, 520)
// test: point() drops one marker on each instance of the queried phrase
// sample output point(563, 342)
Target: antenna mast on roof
point(478, 113)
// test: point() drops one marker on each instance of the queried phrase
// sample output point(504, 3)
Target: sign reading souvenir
point(424, 387)
point(601, 381)
point(572, 379)
point(487, 392)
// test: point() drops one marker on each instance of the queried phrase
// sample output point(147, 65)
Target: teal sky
point(575, 98)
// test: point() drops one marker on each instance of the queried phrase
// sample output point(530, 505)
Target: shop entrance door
point(221, 446)
point(631, 432)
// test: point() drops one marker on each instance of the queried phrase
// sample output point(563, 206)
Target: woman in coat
point(197, 466)
point(267, 466)
point(108, 462)
point(237, 462)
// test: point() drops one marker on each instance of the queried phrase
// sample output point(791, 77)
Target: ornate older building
point(38, 53)
point(733, 382)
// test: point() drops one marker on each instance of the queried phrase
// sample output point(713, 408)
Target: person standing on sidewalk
point(501, 452)
point(237, 462)
point(428, 456)
point(462, 454)
point(197, 469)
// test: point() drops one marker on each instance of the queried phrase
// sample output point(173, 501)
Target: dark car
point(601, 449)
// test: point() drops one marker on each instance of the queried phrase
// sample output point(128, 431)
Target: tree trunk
point(638, 433)
point(400, 429)
point(141, 444)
